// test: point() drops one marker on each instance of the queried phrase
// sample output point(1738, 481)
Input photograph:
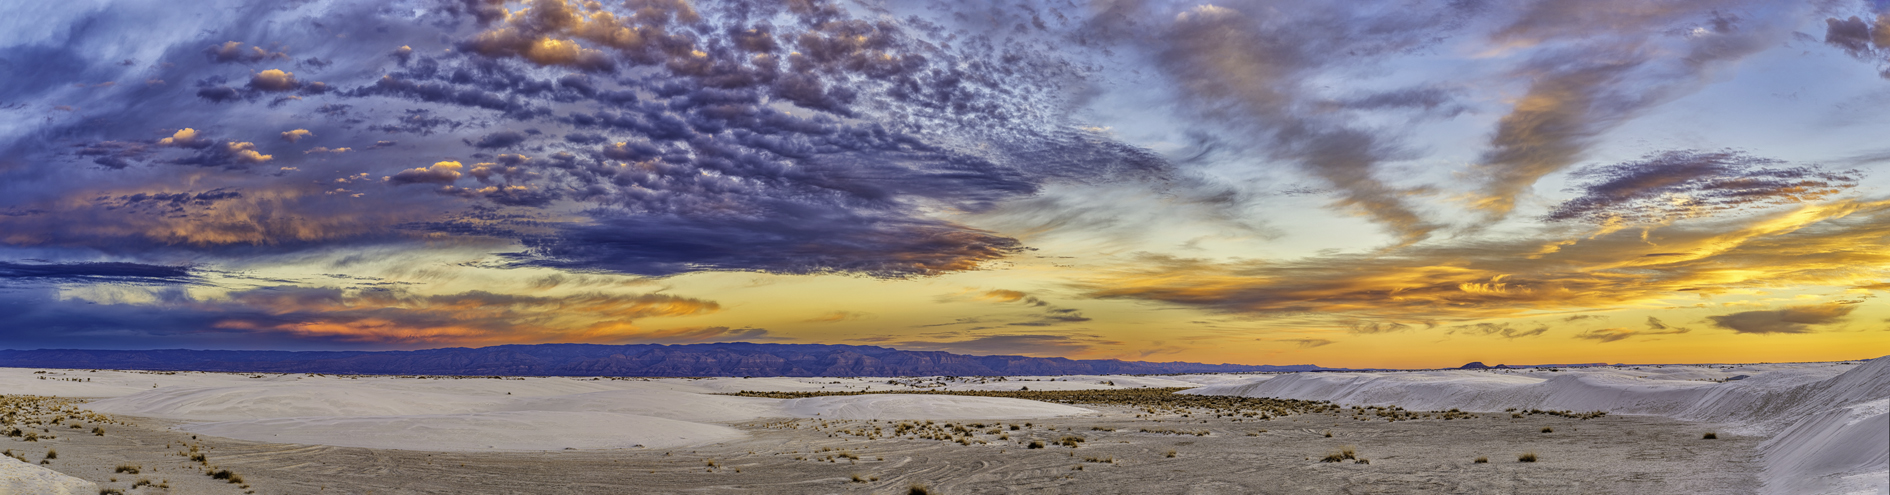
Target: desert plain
point(1775, 428)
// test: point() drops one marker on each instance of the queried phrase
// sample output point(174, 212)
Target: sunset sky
point(1363, 184)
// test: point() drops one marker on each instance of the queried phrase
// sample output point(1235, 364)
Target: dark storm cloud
point(1686, 183)
point(95, 272)
point(1791, 319)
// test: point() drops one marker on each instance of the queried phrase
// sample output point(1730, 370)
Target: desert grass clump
point(1710, 436)
point(52, 454)
point(1546, 429)
point(1526, 457)
point(1482, 460)
point(127, 468)
point(1035, 444)
point(227, 475)
point(1362, 460)
point(110, 491)
point(98, 431)
point(918, 489)
point(1345, 453)
point(1071, 441)
point(1328, 433)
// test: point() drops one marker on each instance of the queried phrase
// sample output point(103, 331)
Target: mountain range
point(678, 360)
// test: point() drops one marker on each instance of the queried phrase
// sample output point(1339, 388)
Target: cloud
point(1246, 70)
point(1684, 184)
point(439, 173)
point(1813, 244)
point(1016, 344)
point(501, 139)
point(1307, 343)
point(235, 52)
point(1791, 319)
point(370, 317)
point(837, 316)
point(96, 272)
point(184, 138)
point(1504, 330)
point(1654, 327)
point(274, 80)
point(697, 335)
point(814, 242)
point(296, 135)
point(1375, 327)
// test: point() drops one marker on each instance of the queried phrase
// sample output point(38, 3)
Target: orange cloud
point(1814, 245)
point(546, 32)
point(836, 316)
point(475, 317)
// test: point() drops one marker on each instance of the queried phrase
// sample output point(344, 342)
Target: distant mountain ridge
point(721, 359)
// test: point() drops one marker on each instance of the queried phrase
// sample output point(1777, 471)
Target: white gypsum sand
point(1825, 422)
point(476, 414)
point(22, 478)
point(1828, 424)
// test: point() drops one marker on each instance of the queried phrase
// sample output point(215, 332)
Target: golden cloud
point(475, 317)
point(1835, 244)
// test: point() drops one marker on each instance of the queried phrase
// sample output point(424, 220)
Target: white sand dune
point(490, 431)
point(291, 399)
point(23, 478)
point(905, 406)
point(528, 414)
point(1828, 425)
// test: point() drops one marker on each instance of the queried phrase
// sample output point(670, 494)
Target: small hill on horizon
point(646, 360)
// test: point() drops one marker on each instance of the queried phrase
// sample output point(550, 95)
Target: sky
point(1412, 183)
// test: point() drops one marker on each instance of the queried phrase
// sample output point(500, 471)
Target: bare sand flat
point(1613, 454)
point(1785, 428)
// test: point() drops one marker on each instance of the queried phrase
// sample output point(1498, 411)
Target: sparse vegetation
point(1710, 436)
point(1171, 452)
point(127, 468)
point(1526, 457)
point(1343, 454)
point(1482, 460)
point(918, 489)
point(1546, 429)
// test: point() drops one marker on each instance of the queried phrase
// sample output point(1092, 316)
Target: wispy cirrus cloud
point(1685, 184)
